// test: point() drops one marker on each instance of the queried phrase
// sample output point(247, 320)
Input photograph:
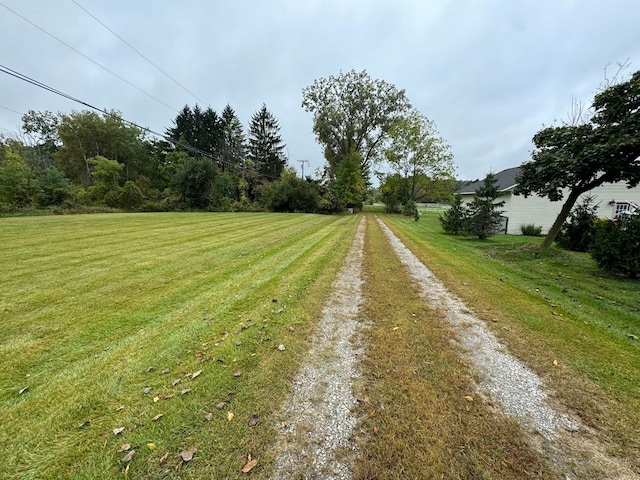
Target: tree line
point(84, 160)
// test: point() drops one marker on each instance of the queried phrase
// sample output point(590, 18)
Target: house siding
point(542, 212)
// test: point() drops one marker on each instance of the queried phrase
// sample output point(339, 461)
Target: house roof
point(506, 181)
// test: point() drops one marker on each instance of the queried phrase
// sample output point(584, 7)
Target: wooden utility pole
point(302, 162)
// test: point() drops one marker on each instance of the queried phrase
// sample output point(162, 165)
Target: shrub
point(454, 219)
point(530, 230)
point(616, 245)
point(579, 230)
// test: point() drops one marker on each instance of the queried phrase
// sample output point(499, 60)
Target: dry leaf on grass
point(185, 391)
point(125, 447)
point(151, 446)
point(253, 420)
point(230, 416)
point(196, 374)
point(158, 417)
point(468, 398)
point(175, 382)
point(237, 373)
point(121, 407)
point(249, 465)
point(282, 348)
point(187, 455)
point(156, 399)
point(165, 371)
point(146, 390)
point(163, 458)
point(22, 390)
point(127, 458)
point(221, 405)
point(208, 417)
point(118, 431)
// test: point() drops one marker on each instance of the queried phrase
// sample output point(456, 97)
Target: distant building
point(612, 199)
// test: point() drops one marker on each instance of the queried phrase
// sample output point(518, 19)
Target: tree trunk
point(572, 198)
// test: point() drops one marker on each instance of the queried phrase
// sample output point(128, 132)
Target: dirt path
point(317, 422)
point(519, 392)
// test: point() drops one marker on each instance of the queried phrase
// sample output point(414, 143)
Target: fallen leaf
point(22, 390)
point(125, 447)
point(146, 390)
point(395, 328)
point(175, 382)
point(151, 446)
point(165, 371)
point(249, 465)
point(468, 398)
point(555, 362)
point(253, 420)
point(281, 347)
point(150, 369)
point(208, 417)
point(155, 399)
point(237, 373)
point(196, 374)
point(187, 455)
point(127, 458)
point(185, 391)
point(158, 417)
point(163, 458)
point(84, 424)
point(220, 405)
point(376, 431)
point(121, 407)
point(168, 396)
point(230, 416)
point(118, 431)
point(284, 424)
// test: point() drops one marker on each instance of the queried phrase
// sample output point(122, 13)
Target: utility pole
point(302, 162)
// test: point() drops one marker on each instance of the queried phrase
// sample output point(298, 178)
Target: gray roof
point(506, 181)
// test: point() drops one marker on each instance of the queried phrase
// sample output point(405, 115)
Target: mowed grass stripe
point(50, 252)
point(92, 385)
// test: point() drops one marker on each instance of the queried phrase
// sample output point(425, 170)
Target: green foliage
point(349, 185)
point(582, 157)
point(14, 179)
point(131, 196)
point(293, 194)
point(194, 182)
point(353, 112)
point(616, 246)
point(578, 231)
point(454, 219)
point(416, 152)
point(266, 149)
point(484, 216)
point(530, 230)
point(391, 189)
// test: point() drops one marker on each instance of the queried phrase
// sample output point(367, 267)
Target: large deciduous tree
point(353, 112)
point(417, 152)
point(266, 149)
point(578, 158)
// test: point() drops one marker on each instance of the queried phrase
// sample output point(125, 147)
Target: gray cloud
point(489, 72)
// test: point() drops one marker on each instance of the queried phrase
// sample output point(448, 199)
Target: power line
point(178, 143)
point(139, 53)
point(11, 110)
point(88, 58)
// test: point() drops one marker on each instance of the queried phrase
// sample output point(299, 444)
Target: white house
point(612, 199)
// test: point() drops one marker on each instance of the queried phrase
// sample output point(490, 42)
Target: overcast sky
point(488, 72)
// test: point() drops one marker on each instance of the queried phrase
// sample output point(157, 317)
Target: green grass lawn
point(577, 326)
point(105, 319)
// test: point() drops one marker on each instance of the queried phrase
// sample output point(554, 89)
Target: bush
point(530, 230)
point(454, 219)
point(578, 231)
point(616, 245)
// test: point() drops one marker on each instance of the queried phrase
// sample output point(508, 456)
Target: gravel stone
point(518, 388)
point(317, 420)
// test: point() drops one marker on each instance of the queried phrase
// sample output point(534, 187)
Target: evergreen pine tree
point(484, 216)
point(233, 141)
point(265, 148)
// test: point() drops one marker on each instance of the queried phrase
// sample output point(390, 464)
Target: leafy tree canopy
point(353, 112)
point(581, 157)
